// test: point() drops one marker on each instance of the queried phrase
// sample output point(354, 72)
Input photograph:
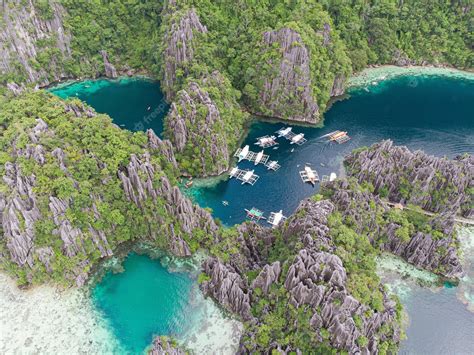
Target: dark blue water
point(435, 114)
point(144, 300)
point(134, 104)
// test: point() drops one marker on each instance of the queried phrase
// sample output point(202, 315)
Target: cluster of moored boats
point(308, 175)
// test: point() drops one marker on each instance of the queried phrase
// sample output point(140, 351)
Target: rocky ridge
point(315, 280)
point(142, 182)
point(424, 249)
point(435, 184)
point(179, 33)
point(195, 123)
point(287, 91)
point(23, 30)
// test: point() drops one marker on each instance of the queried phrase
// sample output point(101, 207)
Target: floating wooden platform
point(266, 141)
point(273, 165)
point(309, 175)
point(254, 214)
point(339, 137)
point(276, 218)
point(246, 176)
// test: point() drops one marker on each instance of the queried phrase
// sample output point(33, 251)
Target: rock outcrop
point(24, 28)
point(139, 183)
point(109, 68)
point(163, 346)
point(437, 185)
point(318, 279)
point(425, 250)
point(198, 132)
point(227, 287)
point(266, 277)
point(287, 91)
point(181, 29)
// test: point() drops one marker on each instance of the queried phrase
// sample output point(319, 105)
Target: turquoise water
point(144, 300)
point(134, 104)
point(435, 114)
point(432, 113)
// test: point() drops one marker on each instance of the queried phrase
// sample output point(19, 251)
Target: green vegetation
point(94, 150)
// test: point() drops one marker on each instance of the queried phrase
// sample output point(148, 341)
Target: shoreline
point(373, 75)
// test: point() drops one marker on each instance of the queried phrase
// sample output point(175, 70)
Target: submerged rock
point(163, 346)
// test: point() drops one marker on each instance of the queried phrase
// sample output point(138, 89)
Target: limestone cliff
point(64, 198)
point(28, 36)
point(314, 280)
point(435, 184)
point(180, 27)
point(204, 127)
point(433, 246)
point(285, 90)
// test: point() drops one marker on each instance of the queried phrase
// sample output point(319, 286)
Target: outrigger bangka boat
point(309, 175)
point(254, 214)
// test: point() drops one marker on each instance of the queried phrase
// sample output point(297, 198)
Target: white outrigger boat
point(258, 158)
point(309, 175)
point(296, 139)
point(266, 141)
point(243, 153)
point(276, 218)
point(283, 132)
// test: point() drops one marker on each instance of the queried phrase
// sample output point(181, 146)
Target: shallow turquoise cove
point(144, 300)
point(133, 103)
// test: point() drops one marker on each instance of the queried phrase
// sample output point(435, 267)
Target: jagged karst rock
point(180, 32)
point(138, 183)
point(195, 123)
point(267, 277)
point(110, 71)
point(22, 29)
point(227, 287)
point(434, 184)
point(19, 214)
point(162, 346)
point(422, 249)
point(164, 147)
point(287, 91)
point(309, 224)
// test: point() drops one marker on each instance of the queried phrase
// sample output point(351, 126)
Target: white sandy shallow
point(44, 320)
point(402, 278)
point(372, 76)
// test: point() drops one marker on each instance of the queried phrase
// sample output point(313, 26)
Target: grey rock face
point(422, 249)
point(23, 26)
point(318, 279)
point(187, 125)
point(110, 71)
point(163, 347)
point(178, 52)
point(338, 88)
point(138, 183)
point(309, 224)
point(288, 94)
point(155, 144)
point(19, 214)
point(227, 287)
point(267, 277)
point(435, 184)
